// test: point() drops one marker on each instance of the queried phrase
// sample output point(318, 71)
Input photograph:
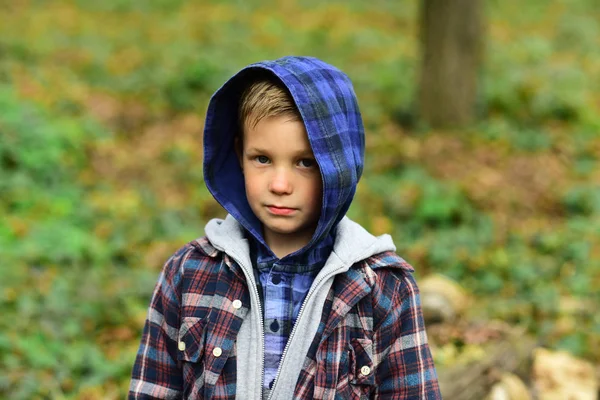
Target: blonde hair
point(265, 98)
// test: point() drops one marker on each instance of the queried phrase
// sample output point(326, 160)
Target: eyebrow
point(255, 150)
point(305, 152)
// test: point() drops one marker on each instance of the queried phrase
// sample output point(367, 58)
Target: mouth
point(279, 210)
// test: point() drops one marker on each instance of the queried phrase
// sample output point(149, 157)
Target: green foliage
point(197, 79)
point(546, 85)
point(412, 196)
point(582, 200)
point(101, 178)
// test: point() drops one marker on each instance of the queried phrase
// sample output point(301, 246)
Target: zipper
point(254, 291)
point(287, 345)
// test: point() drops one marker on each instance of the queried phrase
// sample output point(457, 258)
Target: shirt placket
point(278, 316)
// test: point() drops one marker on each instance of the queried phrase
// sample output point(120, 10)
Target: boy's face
point(282, 178)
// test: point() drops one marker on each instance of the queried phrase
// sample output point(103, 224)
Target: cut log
point(475, 380)
point(442, 299)
point(559, 375)
point(510, 387)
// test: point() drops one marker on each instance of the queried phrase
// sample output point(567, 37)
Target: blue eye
point(262, 159)
point(307, 163)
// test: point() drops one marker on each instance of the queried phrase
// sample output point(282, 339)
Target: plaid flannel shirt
point(371, 341)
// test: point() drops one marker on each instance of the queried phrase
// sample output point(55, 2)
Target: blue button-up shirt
point(282, 290)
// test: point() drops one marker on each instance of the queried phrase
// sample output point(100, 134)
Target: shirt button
point(365, 370)
point(237, 304)
point(275, 326)
point(181, 346)
point(217, 352)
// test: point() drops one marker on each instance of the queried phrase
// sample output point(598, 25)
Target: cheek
point(252, 191)
point(252, 185)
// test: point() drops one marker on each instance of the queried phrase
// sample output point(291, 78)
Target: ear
point(238, 147)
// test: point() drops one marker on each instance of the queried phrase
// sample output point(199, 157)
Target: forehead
point(283, 132)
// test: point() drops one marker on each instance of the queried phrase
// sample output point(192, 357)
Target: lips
point(277, 210)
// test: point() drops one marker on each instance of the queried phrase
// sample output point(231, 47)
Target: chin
point(284, 230)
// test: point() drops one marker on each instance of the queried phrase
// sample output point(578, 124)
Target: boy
point(286, 298)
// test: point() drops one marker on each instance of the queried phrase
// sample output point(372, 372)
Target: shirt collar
point(307, 262)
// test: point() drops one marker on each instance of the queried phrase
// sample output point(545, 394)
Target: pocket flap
point(191, 339)
point(361, 362)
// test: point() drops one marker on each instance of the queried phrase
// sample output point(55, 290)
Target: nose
point(281, 182)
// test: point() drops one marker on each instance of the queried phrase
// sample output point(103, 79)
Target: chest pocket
point(360, 362)
point(211, 339)
point(192, 335)
point(345, 372)
point(190, 355)
point(205, 348)
point(356, 371)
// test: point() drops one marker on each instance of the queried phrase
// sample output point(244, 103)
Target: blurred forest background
point(101, 117)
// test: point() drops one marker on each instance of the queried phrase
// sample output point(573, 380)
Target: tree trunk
point(451, 43)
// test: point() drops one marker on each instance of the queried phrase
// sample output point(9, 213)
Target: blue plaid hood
point(327, 103)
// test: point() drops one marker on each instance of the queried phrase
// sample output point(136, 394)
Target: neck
point(282, 245)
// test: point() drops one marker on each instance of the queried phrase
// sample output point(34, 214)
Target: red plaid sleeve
point(156, 373)
point(406, 369)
